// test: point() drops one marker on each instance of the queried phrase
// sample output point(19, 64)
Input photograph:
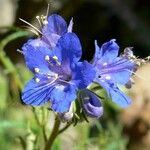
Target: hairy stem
point(64, 128)
point(53, 135)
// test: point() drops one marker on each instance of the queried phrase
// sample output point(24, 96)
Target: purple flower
point(58, 73)
point(112, 70)
point(91, 104)
point(53, 28)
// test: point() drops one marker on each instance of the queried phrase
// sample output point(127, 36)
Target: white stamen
point(33, 31)
point(47, 58)
point(107, 77)
point(58, 63)
point(31, 25)
point(56, 76)
point(105, 64)
point(47, 12)
point(44, 20)
point(102, 80)
point(39, 21)
point(37, 70)
point(55, 57)
point(37, 80)
point(147, 58)
point(20, 51)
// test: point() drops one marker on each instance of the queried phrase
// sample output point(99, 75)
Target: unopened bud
point(91, 104)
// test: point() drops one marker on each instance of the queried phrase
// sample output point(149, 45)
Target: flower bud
point(91, 104)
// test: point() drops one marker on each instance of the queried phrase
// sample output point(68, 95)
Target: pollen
point(47, 58)
point(37, 70)
point(37, 80)
point(55, 57)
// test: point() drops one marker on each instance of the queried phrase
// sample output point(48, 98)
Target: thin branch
point(64, 128)
point(53, 135)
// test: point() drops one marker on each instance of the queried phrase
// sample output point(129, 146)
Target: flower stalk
point(53, 134)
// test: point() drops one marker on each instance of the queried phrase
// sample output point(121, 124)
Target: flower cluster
point(59, 75)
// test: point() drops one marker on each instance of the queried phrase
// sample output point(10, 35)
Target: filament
point(39, 21)
point(31, 25)
point(33, 31)
point(47, 12)
point(20, 51)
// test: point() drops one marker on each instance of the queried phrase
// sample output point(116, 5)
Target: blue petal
point(62, 97)
point(56, 24)
point(119, 70)
point(35, 93)
point(51, 40)
point(83, 74)
point(121, 77)
point(54, 29)
point(68, 49)
point(70, 25)
point(91, 104)
point(37, 43)
point(107, 53)
point(35, 57)
point(116, 94)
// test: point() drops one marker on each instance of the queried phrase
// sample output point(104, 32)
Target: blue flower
point(58, 73)
point(112, 71)
point(91, 104)
point(53, 28)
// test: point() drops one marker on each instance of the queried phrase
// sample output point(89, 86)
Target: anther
point(38, 17)
point(55, 57)
point(37, 70)
point(44, 20)
point(107, 77)
point(47, 58)
point(147, 58)
point(37, 80)
point(105, 64)
point(39, 21)
point(20, 51)
point(56, 76)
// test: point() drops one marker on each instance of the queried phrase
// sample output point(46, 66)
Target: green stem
point(53, 135)
point(12, 37)
point(10, 68)
point(6, 61)
point(64, 128)
point(44, 133)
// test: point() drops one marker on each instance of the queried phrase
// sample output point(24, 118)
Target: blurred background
point(128, 22)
